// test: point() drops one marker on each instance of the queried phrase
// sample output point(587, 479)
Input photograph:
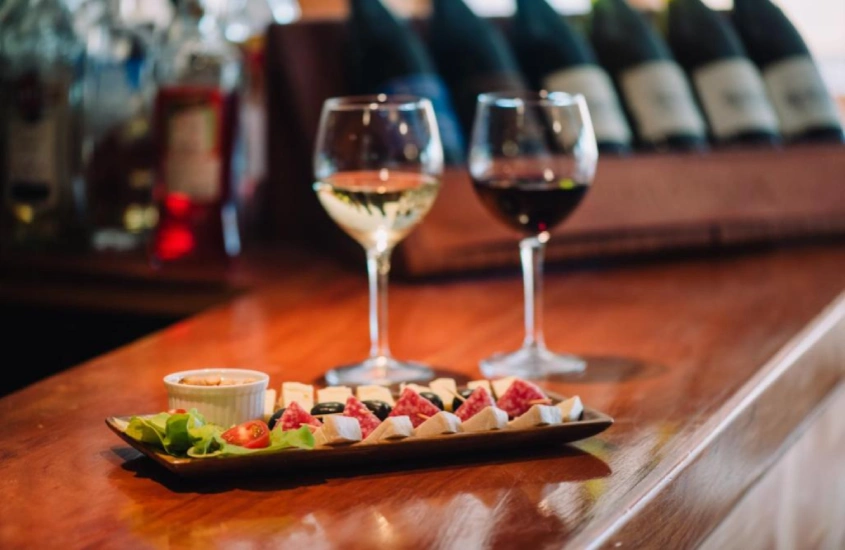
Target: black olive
point(329, 407)
point(379, 408)
point(275, 418)
point(458, 402)
point(434, 398)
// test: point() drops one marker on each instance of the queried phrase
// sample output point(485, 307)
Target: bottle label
point(734, 98)
point(799, 95)
point(593, 83)
point(660, 101)
point(191, 124)
point(432, 87)
point(34, 141)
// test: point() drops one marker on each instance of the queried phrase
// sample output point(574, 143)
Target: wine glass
point(532, 159)
point(378, 161)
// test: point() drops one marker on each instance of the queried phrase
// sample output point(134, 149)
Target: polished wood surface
point(709, 366)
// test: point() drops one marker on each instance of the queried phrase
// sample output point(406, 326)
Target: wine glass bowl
point(378, 161)
point(532, 160)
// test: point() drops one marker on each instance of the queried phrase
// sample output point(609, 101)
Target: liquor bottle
point(197, 141)
point(728, 86)
point(557, 57)
point(119, 161)
point(387, 56)
point(41, 61)
point(803, 103)
point(653, 87)
point(471, 55)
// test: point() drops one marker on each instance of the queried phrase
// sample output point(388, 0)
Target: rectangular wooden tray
point(591, 423)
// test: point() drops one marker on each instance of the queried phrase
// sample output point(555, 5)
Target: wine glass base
point(382, 371)
point(530, 362)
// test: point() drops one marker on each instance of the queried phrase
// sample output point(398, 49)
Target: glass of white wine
point(378, 162)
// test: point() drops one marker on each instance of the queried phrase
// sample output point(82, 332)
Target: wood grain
point(708, 366)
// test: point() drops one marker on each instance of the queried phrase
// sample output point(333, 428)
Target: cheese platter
point(301, 430)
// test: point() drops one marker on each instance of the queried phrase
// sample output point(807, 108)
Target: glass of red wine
point(532, 159)
point(378, 162)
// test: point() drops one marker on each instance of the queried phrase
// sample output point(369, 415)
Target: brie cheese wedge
point(501, 385)
point(480, 384)
point(439, 424)
point(537, 415)
point(571, 409)
point(333, 394)
point(446, 389)
point(269, 403)
point(337, 430)
point(488, 418)
point(393, 427)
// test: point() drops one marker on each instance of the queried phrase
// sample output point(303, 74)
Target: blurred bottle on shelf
point(41, 66)
point(198, 140)
point(385, 55)
point(119, 161)
point(728, 86)
point(471, 55)
point(804, 106)
point(556, 57)
point(653, 87)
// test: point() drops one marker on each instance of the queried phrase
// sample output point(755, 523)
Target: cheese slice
point(393, 427)
point(439, 424)
point(375, 393)
point(571, 409)
point(501, 385)
point(337, 430)
point(537, 415)
point(269, 403)
point(333, 394)
point(488, 418)
point(480, 384)
point(303, 394)
point(446, 389)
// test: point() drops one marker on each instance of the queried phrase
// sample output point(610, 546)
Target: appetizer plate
point(591, 423)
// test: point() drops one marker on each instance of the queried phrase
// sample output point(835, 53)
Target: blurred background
point(148, 146)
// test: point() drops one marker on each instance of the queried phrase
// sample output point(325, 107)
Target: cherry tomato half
point(177, 411)
point(252, 434)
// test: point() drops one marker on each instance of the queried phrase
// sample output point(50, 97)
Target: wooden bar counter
point(725, 376)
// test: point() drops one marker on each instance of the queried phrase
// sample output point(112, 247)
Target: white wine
point(377, 208)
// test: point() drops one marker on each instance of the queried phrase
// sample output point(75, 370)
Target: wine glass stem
point(378, 268)
point(531, 251)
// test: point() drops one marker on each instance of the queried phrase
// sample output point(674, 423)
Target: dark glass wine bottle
point(803, 103)
point(728, 86)
point(387, 56)
point(557, 57)
point(653, 87)
point(472, 56)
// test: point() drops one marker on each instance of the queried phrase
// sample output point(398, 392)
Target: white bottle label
point(193, 166)
point(32, 160)
point(799, 95)
point(734, 98)
point(661, 101)
point(593, 83)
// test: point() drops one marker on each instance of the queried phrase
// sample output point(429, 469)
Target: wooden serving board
point(591, 423)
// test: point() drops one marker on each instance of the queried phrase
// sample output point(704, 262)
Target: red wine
point(530, 205)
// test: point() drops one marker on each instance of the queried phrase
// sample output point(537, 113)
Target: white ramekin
point(221, 405)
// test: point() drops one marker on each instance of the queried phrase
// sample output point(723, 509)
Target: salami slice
point(415, 406)
point(295, 416)
point(360, 412)
point(478, 400)
point(517, 399)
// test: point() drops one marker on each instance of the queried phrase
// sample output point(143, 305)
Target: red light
point(174, 242)
point(177, 205)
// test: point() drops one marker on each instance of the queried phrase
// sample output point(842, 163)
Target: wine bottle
point(43, 196)
point(197, 141)
point(801, 100)
point(728, 86)
point(387, 56)
point(653, 87)
point(472, 56)
point(557, 57)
